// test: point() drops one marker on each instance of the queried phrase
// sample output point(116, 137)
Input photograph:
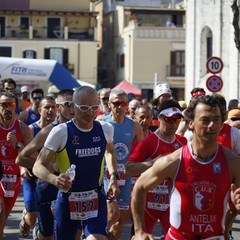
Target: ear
point(39, 110)
point(191, 124)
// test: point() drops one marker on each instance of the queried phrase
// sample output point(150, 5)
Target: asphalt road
point(12, 233)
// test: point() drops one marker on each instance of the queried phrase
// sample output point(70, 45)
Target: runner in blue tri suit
point(46, 193)
point(125, 131)
point(48, 114)
point(83, 141)
point(32, 114)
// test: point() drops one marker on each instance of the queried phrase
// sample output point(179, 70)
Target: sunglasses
point(176, 120)
point(66, 104)
point(7, 104)
point(37, 98)
point(105, 98)
point(117, 104)
point(9, 88)
point(235, 119)
point(86, 108)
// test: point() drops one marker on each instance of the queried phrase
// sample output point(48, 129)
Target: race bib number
point(83, 205)
point(8, 184)
point(158, 198)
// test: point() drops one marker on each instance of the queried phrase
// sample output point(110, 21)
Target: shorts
point(10, 201)
point(29, 191)
point(65, 228)
point(45, 194)
point(151, 217)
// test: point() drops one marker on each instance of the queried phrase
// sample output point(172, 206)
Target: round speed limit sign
point(214, 65)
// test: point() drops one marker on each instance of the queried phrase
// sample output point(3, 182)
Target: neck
point(204, 153)
point(163, 136)
point(83, 126)
point(118, 119)
point(6, 123)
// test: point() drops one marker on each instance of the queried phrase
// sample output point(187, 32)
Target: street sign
point(214, 65)
point(214, 83)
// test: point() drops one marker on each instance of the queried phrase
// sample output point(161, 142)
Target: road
point(12, 233)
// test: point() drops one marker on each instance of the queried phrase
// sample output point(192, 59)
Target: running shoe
point(36, 232)
point(23, 227)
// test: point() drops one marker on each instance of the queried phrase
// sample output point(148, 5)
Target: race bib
point(158, 198)
point(8, 184)
point(83, 205)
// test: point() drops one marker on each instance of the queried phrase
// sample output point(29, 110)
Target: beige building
point(140, 48)
point(62, 30)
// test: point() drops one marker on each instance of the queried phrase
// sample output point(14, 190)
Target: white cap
point(169, 112)
point(25, 89)
point(161, 89)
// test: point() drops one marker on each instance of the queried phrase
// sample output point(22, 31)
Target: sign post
point(214, 65)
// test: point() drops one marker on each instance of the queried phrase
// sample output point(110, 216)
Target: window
point(59, 54)
point(24, 23)
point(177, 63)
point(29, 54)
point(122, 60)
point(5, 51)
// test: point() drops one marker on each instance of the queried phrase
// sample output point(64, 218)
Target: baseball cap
point(234, 113)
point(24, 89)
point(161, 89)
point(169, 112)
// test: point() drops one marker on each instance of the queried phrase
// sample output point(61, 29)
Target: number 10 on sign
point(214, 65)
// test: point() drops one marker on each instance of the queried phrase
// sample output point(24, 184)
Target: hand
point(113, 189)
point(63, 181)
point(25, 173)
point(143, 236)
point(11, 137)
point(235, 196)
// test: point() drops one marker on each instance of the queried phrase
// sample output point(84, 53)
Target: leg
point(116, 229)
point(113, 212)
point(3, 217)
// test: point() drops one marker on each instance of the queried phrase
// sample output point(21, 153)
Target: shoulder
point(106, 126)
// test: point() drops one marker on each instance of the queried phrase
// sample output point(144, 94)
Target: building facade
point(139, 46)
point(209, 32)
point(62, 30)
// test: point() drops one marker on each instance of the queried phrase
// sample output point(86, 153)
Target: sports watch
point(115, 174)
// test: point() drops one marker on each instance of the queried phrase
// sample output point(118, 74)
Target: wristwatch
point(115, 174)
point(18, 145)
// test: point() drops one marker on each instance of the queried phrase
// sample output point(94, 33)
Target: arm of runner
point(111, 161)
point(164, 167)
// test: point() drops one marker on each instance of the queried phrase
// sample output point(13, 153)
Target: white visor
point(169, 112)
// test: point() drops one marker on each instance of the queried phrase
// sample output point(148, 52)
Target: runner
point(83, 142)
point(201, 173)
point(13, 136)
point(46, 193)
point(162, 142)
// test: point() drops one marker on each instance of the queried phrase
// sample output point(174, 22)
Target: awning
point(129, 88)
point(38, 70)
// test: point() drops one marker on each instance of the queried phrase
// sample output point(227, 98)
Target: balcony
point(151, 32)
point(64, 33)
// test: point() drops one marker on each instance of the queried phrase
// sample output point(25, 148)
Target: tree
point(235, 23)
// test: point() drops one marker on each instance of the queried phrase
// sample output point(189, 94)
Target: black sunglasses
point(37, 98)
point(66, 103)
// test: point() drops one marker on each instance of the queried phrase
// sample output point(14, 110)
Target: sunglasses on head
point(37, 98)
point(7, 104)
point(86, 108)
point(66, 104)
point(176, 120)
point(117, 104)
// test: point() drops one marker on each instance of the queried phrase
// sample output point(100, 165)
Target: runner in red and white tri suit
point(162, 142)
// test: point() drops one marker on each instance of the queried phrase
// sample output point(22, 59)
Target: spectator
point(233, 104)
point(197, 92)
